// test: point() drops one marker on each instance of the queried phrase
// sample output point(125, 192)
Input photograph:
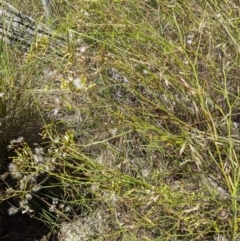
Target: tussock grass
point(140, 132)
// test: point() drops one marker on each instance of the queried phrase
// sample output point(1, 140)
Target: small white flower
point(14, 171)
point(12, 211)
point(78, 83)
point(28, 196)
point(95, 187)
point(33, 177)
point(114, 199)
point(154, 198)
point(22, 185)
point(23, 182)
point(113, 131)
point(57, 101)
point(189, 41)
point(4, 176)
point(23, 203)
point(38, 158)
point(36, 188)
point(56, 141)
point(83, 49)
point(55, 201)
point(190, 36)
point(219, 15)
point(12, 167)
point(99, 216)
point(16, 175)
point(67, 209)
point(47, 168)
point(27, 210)
point(10, 190)
point(53, 159)
point(52, 208)
point(145, 172)
point(20, 139)
point(16, 142)
point(145, 71)
point(61, 206)
point(39, 151)
point(55, 111)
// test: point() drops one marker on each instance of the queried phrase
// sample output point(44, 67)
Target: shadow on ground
point(22, 227)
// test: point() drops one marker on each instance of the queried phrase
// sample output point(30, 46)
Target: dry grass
point(138, 134)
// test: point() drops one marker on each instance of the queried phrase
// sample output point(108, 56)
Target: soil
point(22, 227)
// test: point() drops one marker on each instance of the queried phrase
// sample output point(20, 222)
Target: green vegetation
point(133, 134)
